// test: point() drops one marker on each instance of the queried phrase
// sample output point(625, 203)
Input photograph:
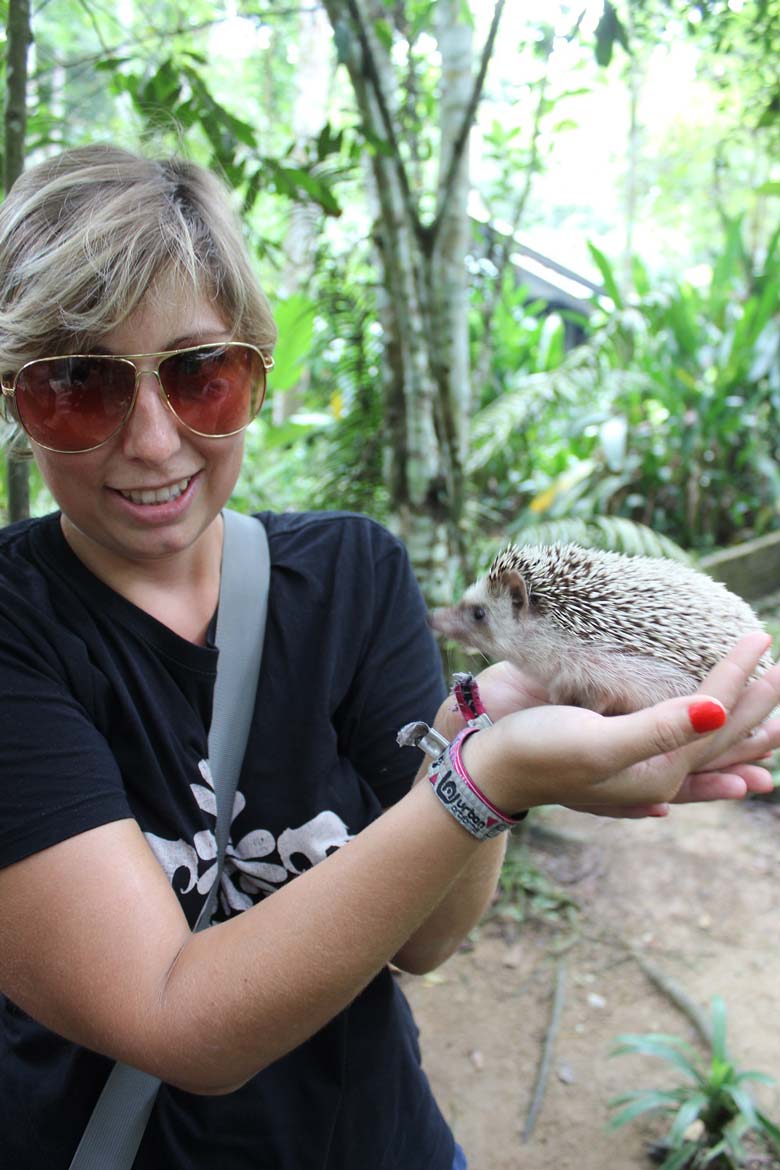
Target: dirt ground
point(694, 895)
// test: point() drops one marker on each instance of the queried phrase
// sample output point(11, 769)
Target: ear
point(515, 585)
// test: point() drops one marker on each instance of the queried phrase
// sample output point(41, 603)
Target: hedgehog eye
point(478, 613)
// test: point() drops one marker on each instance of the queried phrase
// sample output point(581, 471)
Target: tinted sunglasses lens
point(74, 403)
point(215, 389)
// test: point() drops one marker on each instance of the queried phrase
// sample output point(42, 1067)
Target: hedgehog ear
point(515, 586)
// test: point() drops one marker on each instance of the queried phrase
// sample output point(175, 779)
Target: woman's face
point(153, 490)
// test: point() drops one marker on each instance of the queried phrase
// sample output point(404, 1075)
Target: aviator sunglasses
point(76, 403)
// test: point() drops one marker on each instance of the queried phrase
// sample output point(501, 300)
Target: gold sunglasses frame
point(132, 359)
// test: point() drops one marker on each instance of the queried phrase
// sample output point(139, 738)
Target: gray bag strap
point(116, 1127)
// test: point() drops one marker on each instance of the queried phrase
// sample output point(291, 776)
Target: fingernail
point(707, 715)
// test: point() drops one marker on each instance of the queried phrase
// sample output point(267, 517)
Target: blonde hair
point(85, 235)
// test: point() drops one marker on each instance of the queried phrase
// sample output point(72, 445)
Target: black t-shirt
point(104, 714)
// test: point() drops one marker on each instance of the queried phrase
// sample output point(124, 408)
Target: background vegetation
point(395, 160)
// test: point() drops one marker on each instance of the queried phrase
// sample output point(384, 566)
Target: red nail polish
point(706, 715)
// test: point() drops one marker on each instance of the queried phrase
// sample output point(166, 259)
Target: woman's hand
point(627, 765)
point(504, 689)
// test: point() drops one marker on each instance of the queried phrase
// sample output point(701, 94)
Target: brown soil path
point(696, 894)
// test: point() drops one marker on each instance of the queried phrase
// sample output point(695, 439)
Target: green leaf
point(640, 276)
point(296, 181)
point(295, 320)
point(609, 30)
point(642, 1102)
point(769, 1127)
point(607, 275)
point(718, 1016)
point(669, 1048)
point(771, 112)
point(329, 141)
point(743, 1103)
point(679, 1159)
point(375, 142)
point(752, 1075)
point(111, 64)
point(163, 87)
point(384, 34)
point(242, 131)
point(687, 1113)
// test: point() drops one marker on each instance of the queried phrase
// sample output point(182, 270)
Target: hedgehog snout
point(434, 617)
point(447, 621)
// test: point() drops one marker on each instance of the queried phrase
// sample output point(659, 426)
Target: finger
point(761, 742)
point(751, 708)
point(615, 744)
point(760, 781)
point(633, 812)
point(727, 678)
point(733, 784)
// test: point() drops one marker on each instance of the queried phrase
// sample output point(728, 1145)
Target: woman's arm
point(94, 944)
point(505, 690)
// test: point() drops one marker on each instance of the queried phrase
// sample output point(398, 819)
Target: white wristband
point(462, 798)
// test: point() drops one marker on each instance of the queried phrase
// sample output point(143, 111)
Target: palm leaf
point(613, 533)
point(679, 1159)
point(718, 1012)
point(639, 1103)
point(687, 1113)
point(769, 1127)
point(669, 1048)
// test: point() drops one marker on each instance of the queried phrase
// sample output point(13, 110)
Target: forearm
point(308, 950)
point(458, 913)
point(460, 910)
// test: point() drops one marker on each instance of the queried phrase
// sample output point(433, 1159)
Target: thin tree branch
point(462, 138)
point(122, 46)
point(18, 38)
point(179, 30)
point(499, 250)
point(94, 22)
point(675, 994)
point(371, 73)
point(553, 1027)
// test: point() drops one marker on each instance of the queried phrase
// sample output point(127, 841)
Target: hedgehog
point(597, 629)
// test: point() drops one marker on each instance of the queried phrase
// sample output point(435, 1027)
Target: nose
point(151, 433)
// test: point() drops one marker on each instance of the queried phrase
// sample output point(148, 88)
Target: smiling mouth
point(157, 495)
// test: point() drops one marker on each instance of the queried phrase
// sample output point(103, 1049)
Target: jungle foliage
point(657, 430)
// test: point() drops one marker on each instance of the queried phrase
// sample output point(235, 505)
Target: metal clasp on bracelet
point(421, 736)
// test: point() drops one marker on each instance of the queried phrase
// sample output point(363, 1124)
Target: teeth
point(157, 495)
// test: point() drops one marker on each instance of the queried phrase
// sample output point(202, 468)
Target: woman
point(281, 1038)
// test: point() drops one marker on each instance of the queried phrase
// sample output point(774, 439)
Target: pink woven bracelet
point(463, 798)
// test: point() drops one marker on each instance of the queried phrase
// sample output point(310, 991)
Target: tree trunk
point(449, 285)
point(18, 35)
point(312, 88)
point(424, 296)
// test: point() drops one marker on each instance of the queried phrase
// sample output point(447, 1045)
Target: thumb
point(658, 730)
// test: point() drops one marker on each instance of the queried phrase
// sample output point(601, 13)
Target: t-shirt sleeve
point(399, 676)
point(58, 777)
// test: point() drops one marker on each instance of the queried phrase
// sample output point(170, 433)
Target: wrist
point(485, 758)
point(472, 807)
point(455, 787)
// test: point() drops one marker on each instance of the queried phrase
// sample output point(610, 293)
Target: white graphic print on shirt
point(247, 875)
